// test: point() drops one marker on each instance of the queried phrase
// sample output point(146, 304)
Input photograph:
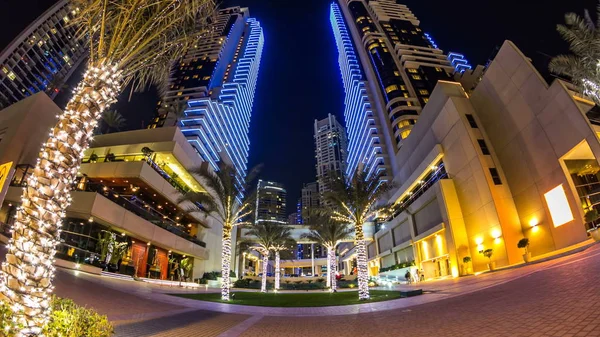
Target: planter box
point(411, 293)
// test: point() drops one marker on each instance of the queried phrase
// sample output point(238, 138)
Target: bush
point(212, 276)
point(321, 280)
point(398, 266)
point(67, 320)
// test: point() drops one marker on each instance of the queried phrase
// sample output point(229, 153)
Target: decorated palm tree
point(267, 237)
point(583, 64)
point(223, 202)
point(328, 233)
point(282, 242)
point(130, 42)
point(112, 120)
point(354, 202)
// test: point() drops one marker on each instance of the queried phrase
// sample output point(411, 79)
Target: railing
point(419, 190)
point(163, 170)
point(135, 205)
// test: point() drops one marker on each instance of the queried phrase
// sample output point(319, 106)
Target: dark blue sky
point(299, 78)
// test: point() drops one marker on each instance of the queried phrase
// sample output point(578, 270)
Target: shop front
point(433, 256)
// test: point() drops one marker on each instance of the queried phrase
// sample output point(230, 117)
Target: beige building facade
point(513, 158)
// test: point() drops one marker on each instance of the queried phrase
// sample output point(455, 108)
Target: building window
point(179, 93)
point(403, 87)
point(206, 78)
point(373, 45)
point(396, 73)
point(412, 71)
point(403, 31)
point(416, 77)
point(471, 121)
point(12, 76)
point(438, 69)
point(483, 146)
point(495, 176)
point(423, 92)
point(391, 88)
point(404, 134)
point(425, 100)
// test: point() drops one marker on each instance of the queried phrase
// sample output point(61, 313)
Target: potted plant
point(488, 253)
point(524, 243)
point(466, 266)
point(590, 217)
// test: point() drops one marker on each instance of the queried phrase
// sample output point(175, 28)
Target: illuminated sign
point(560, 211)
point(4, 172)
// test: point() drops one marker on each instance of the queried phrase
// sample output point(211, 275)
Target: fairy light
point(332, 268)
point(28, 272)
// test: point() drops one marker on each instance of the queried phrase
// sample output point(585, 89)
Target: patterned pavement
point(553, 298)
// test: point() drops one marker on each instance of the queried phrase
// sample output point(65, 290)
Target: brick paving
point(554, 298)
point(563, 300)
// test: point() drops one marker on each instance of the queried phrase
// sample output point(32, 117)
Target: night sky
point(299, 79)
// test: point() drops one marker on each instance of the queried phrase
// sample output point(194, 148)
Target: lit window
point(206, 78)
point(66, 19)
point(406, 95)
point(186, 78)
point(385, 50)
point(373, 45)
point(179, 93)
point(423, 92)
point(413, 32)
point(405, 134)
point(5, 70)
point(404, 123)
point(416, 77)
point(418, 29)
point(409, 103)
point(12, 76)
point(403, 31)
point(199, 67)
point(397, 73)
point(412, 71)
point(425, 100)
point(403, 87)
point(365, 29)
point(438, 69)
point(53, 30)
point(195, 76)
point(391, 88)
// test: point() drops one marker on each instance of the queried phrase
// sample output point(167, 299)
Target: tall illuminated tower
point(330, 151)
point(389, 67)
point(42, 57)
point(211, 90)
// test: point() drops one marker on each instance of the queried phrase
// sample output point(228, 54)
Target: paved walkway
point(553, 298)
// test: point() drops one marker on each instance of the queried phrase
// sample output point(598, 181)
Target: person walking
point(407, 277)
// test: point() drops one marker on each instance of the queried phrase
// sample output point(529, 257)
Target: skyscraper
point(389, 67)
point(271, 202)
point(310, 199)
point(215, 83)
point(330, 151)
point(42, 57)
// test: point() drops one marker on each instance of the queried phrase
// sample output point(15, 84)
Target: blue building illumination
point(363, 138)
point(217, 126)
point(459, 62)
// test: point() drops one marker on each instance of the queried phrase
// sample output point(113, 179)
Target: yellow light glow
point(479, 240)
point(454, 271)
point(497, 240)
point(534, 222)
point(535, 229)
point(559, 206)
point(479, 248)
point(496, 233)
point(425, 250)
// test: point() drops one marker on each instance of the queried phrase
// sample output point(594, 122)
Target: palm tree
point(174, 112)
point(130, 42)
point(583, 65)
point(354, 203)
point(282, 241)
point(221, 201)
point(113, 120)
point(329, 234)
point(269, 236)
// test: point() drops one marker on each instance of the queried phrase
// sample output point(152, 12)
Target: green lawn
point(312, 299)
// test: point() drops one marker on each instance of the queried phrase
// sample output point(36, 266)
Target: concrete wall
point(532, 126)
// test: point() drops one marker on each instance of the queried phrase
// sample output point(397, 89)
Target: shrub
point(243, 283)
point(523, 243)
point(67, 320)
point(466, 259)
point(321, 280)
point(398, 266)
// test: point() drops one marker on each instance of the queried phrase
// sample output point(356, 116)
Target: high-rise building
point(389, 67)
point(271, 202)
point(215, 83)
point(293, 219)
point(310, 199)
point(42, 57)
point(330, 151)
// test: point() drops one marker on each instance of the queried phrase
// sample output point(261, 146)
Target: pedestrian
point(407, 276)
point(422, 275)
point(416, 276)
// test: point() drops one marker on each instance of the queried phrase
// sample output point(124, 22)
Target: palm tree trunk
point(332, 269)
point(328, 267)
point(263, 287)
point(361, 263)
point(226, 263)
point(28, 273)
point(277, 270)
